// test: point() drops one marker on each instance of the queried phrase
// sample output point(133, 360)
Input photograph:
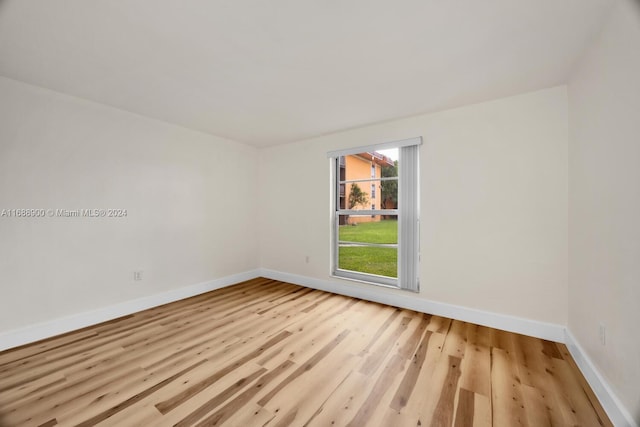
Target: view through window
point(370, 214)
point(368, 241)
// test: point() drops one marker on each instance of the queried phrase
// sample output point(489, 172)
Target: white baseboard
point(613, 407)
point(534, 328)
point(62, 325)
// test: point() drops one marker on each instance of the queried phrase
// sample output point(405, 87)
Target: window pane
point(368, 195)
point(381, 229)
point(355, 255)
point(369, 259)
point(364, 165)
point(341, 175)
point(389, 189)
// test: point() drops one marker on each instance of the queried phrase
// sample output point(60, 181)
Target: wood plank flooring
point(268, 353)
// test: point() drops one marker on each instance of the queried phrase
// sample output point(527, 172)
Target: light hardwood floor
point(267, 353)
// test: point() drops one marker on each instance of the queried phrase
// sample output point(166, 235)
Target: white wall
point(604, 202)
point(189, 197)
point(493, 202)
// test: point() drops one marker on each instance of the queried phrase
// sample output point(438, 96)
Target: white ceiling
point(270, 72)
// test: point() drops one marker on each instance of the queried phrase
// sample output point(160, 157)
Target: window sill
point(364, 280)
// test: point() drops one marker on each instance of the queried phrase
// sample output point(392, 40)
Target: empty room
point(320, 213)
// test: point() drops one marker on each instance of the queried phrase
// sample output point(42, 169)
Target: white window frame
point(407, 212)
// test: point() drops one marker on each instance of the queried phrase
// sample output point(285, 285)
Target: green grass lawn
point(382, 261)
point(372, 260)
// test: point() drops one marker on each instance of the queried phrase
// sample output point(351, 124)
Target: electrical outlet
point(602, 329)
point(137, 275)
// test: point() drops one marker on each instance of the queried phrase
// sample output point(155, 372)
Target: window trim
point(408, 218)
point(375, 147)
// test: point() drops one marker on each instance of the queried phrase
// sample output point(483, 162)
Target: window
point(377, 245)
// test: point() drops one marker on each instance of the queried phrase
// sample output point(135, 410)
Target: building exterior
point(362, 166)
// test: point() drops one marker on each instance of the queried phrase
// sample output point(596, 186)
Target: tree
point(389, 189)
point(357, 197)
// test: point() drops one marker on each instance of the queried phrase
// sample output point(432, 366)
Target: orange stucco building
point(358, 167)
